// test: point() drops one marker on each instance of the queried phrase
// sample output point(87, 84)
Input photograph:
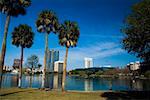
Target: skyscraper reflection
point(88, 85)
point(14, 81)
point(55, 85)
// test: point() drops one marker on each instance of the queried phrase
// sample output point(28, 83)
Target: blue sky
point(100, 22)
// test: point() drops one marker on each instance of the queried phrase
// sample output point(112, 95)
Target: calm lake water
point(53, 81)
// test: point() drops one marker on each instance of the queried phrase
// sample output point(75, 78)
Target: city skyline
point(100, 22)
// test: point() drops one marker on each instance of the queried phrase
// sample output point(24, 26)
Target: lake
point(53, 81)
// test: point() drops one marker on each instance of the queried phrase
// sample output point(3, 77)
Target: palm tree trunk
point(45, 60)
point(2, 55)
point(30, 85)
point(20, 68)
point(64, 70)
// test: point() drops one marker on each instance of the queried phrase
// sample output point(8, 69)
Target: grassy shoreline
point(36, 94)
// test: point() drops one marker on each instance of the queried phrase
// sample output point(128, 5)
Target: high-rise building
point(58, 66)
point(88, 62)
point(52, 56)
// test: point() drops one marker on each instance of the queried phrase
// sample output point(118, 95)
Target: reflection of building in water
point(57, 81)
point(53, 81)
point(88, 85)
point(49, 81)
point(52, 56)
point(58, 67)
point(137, 85)
point(14, 81)
point(55, 84)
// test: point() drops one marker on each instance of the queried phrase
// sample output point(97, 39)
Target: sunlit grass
point(36, 94)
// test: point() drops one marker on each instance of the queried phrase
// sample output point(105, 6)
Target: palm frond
point(47, 22)
point(69, 34)
point(14, 7)
point(22, 36)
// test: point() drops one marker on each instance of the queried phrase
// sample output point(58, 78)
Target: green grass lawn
point(36, 94)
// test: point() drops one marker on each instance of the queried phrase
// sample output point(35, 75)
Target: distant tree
point(68, 37)
point(22, 36)
point(10, 8)
point(39, 66)
point(47, 22)
point(137, 31)
point(32, 62)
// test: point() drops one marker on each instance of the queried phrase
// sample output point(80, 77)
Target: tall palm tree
point(47, 22)
point(10, 8)
point(68, 37)
point(22, 36)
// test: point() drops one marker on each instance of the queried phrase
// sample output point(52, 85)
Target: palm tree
point(22, 36)
point(47, 22)
point(68, 37)
point(10, 8)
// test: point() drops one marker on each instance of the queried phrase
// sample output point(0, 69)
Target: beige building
point(58, 66)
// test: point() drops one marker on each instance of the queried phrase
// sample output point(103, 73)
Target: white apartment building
point(88, 62)
point(58, 66)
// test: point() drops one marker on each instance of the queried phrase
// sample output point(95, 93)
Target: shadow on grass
point(5, 94)
point(127, 95)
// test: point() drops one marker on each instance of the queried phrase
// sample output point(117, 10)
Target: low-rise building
point(134, 66)
point(15, 71)
point(6, 68)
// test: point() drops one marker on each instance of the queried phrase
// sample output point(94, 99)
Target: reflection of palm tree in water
point(35, 80)
point(30, 83)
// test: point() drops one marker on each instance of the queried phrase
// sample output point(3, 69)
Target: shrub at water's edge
point(108, 73)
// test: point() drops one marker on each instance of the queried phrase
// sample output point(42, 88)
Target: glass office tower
point(52, 56)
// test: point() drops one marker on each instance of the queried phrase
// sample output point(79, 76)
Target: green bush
point(99, 73)
point(147, 74)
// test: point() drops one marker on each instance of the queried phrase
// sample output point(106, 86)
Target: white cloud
point(96, 51)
